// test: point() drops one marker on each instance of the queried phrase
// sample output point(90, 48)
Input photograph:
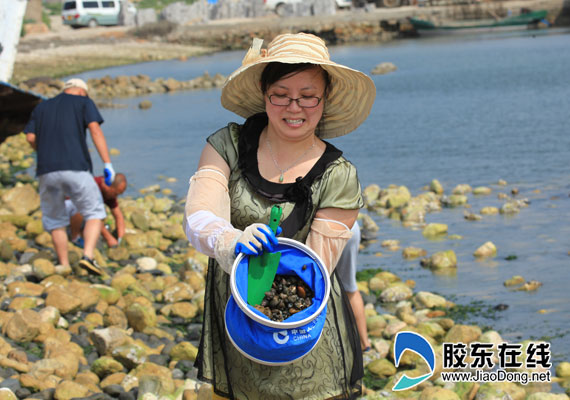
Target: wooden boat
point(528, 18)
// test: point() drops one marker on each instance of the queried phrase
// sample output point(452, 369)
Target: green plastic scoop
point(262, 269)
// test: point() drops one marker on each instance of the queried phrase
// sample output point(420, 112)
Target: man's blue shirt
point(60, 127)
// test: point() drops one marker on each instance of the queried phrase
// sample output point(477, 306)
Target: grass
point(52, 8)
point(462, 313)
point(367, 274)
point(158, 5)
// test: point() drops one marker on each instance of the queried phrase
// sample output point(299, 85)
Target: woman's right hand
point(255, 239)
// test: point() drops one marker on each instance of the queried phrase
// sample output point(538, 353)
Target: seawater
point(463, 109)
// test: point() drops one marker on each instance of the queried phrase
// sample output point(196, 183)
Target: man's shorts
point(347, 263)
point(79, 186)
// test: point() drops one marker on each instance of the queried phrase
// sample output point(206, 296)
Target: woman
point(293, 96)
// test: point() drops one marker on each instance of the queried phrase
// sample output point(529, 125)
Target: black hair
point(275, 71)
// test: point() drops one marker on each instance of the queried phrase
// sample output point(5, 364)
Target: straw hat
point(347, 104)
point(76, 82)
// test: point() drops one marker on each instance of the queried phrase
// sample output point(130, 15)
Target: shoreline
point(67, 51)
point(156, 289)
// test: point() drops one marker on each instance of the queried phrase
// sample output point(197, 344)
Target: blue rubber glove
point(109, 173)
point(255, 239)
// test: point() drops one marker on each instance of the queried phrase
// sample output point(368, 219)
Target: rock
point(491, 337)
point(7, 394)
point(63, 300)
point(141, 317)
point(24, 326)
point(114, 316)
point(184, 351)
point(469, 216)
point(25, 289)
point(173, 231)
point(434, 230)
point(437, 393)
point(146, 264)
point(429, 300)
point(118, 253)
point(130, 355)
point(105, 366)
point(6, 252)
point(515, 280)
point(530, 286)
point(488, 249)
point(394, 327)
point(375, 325)
point(371, 193)
point(482, 191)
point(463, 334)
point(489, 211)
point(547, 396)
point(431, 329)
point(180, 291)
point(50, 314)
point(107, 293)
point(396, 292)
point(441, 259)
point(67, 390)
point(381, 368)
point(455, 200)
point(436, 187)
point(410, 253)
point(34, 228)
point(184, 310)
point(42, 268)
point(145, 104)
point(392, 244)
point(462, 189)
point(107, 339)
point(563, 370)
point(383, 68)
point(162, 374)
point(510, 207)
point(162, 204)
point(21, 200)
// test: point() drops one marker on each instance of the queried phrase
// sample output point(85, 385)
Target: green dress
point(334, 367)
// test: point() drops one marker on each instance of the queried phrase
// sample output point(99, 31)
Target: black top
point(59, 125)
point(298, 192)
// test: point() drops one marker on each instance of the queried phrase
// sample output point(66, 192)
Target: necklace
point(293, 163)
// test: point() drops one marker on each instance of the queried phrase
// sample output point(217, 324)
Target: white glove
point(109, 173)
point(254, 239)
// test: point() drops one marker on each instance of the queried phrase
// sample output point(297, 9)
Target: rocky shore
point(134, 333)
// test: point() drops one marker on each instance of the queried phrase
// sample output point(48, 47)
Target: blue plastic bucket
point(276, 343)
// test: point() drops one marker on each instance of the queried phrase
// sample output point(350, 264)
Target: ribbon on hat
point(255, 52)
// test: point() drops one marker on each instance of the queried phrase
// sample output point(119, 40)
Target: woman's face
point(293, 121)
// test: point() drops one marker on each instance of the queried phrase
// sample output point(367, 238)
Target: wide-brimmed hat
point(76, 82)
point(347, 104)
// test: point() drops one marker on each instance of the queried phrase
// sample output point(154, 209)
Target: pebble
point(289, 294)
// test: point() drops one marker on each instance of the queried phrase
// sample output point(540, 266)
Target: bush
point(159, 4)
point(160, 28)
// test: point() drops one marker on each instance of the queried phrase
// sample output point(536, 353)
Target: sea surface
point(461, 109)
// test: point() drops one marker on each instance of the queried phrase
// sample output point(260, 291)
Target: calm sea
point(463, 109)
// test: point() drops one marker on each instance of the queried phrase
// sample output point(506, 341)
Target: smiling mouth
point(293, 121)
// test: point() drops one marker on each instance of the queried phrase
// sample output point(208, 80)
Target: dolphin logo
point(419, 345)
point(281, 337)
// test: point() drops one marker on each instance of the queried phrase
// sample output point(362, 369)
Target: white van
point(92, 13)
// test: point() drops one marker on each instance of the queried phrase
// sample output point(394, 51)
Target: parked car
point(279, 5)
point(92, 13)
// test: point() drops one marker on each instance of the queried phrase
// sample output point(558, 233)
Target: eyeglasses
point(303, 102)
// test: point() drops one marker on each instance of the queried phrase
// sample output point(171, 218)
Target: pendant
point(281, 178)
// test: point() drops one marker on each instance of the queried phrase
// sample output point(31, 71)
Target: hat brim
point(347, 104)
